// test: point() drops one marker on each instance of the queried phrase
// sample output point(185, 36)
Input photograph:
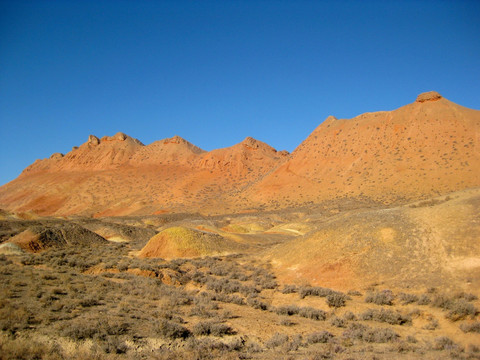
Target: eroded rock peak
point(428, 96)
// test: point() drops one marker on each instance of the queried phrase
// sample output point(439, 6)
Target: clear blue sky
point(215, 72)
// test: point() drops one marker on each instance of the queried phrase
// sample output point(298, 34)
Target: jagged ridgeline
point(423, 149)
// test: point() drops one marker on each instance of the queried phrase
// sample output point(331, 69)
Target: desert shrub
point(338, 322)
point(14, 319)
point(415, 313)
point(387, 316)
point(248, 290)
point(431, 325)
point(368, 334)
point(221, 269)
point(312, 313)
point(473, 348)
point(384, 297)
point(411, 339)
point(442, 301)
point(27, 349)
point(287, 310)
point(465, 296)
point(175, 296)
point(5, 260)
point(460, 309)
point(336, 300)
point(201, 311)
point(314, 291)
point(199, 277)
point(354, 293)
point(267, 283)
point(473, 327)
point(319, 337)
point(380, 335)
point(257, 303)
point(355, 331)
point(424, 299)
point(294, 343)
point(171, 330)
point(276, 340)
point(444, 343)
point(239, 276)
point(113, 345)
point(286, 322)
point(407, 298)
point(232, 299)
point(89, 302)
point(223, 285)
point(289, 289)
point(82, 328)
point(212, 328)
point(349, 316)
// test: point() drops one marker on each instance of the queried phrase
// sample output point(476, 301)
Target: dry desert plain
point(363, 243)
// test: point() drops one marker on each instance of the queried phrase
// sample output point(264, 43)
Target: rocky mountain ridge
point(423, 149)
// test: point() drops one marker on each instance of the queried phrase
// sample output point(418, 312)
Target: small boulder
point(93, 140)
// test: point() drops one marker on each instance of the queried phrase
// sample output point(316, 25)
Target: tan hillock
point(182, 242)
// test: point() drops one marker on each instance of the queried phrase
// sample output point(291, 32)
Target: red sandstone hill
point(119, 175)
point(426, 148)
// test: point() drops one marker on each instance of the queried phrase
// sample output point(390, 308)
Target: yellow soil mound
point(181, 242)
point(426, 243)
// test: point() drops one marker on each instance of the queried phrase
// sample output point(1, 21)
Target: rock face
point(426, 148)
